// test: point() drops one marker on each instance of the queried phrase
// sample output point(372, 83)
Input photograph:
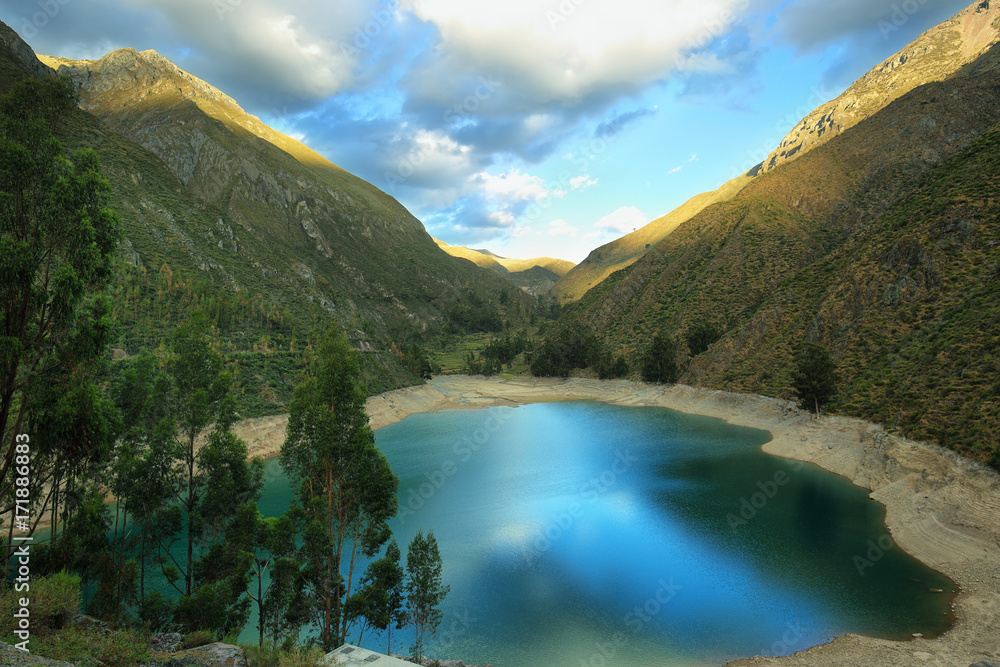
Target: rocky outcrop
point(934, 56)
point(22, 52)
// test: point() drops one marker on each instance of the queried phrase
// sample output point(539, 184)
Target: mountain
point(222, 213)
point(879, 243)
point(935, 55)
point(535, 276)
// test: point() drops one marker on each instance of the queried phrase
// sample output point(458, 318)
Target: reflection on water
point(586, 534)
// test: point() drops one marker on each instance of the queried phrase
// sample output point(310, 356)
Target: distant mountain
point(535, 276)
point(881, 244)
point(219, 209)
point(933, 56)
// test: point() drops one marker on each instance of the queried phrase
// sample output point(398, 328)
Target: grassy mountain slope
point(880, 244)
point(270, 239)
point(933, 56)
point(298, 219)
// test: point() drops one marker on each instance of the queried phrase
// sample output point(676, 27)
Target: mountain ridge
point(970, 33)
point(880, 244)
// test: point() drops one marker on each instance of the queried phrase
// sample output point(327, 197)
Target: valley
point(257, 400)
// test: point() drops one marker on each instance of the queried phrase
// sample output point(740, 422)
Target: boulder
point(217, 655)
point(167, 642)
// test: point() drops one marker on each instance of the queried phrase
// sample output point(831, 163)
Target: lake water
point(583, 534)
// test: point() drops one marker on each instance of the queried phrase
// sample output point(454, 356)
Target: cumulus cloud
point(622, 220)
point(595, 52)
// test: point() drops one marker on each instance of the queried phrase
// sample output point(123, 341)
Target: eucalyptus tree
point(424, 589)
point(345, 489)
point(57, 238)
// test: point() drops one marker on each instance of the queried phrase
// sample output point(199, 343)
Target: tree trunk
point(190, 507)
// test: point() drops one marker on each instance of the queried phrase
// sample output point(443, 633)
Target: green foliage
point(57, 237)
point(424, 590)
point(611, 367)
point(814, 376)
point(659, 363)
point(54, 601)
point(197, 638)
point(378, 603)
point(700, 337)
point(345, 490)
point(570, 348)
point(156, 612)
point(125, 647)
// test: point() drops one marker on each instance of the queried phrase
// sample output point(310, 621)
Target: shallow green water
point(586, 534)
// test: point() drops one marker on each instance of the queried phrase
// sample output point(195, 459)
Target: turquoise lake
point(583, 534)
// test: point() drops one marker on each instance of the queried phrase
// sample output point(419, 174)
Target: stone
point(167, 642)
point(218, 655)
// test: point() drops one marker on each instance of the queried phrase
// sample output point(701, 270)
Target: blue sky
point(530, 127)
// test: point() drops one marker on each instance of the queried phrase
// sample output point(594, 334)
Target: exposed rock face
point(219, 655)
point(936, 54)
point(22, 51)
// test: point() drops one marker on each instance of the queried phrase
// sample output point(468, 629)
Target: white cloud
point(565, 52)
point(511, 185)
point(560, 227)
point(676, 169)
point(623, 220)
point(693, 158)
point(581, 182)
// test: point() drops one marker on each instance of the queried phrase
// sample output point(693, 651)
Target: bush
point(301, 657)
point(562, 352)
point(701, 336)
point(198, 638)
point(54, 603)
point(155, 611)
point(995, 459)
point(659, 364)
point(120, 648)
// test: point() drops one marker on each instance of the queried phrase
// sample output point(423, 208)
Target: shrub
point(659, 364)
point(54, 603)
point(198, 638)
point(120, 648)
point(302, 657)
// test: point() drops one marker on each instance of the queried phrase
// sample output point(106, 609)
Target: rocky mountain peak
point(934, 56)
point(136, 74)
